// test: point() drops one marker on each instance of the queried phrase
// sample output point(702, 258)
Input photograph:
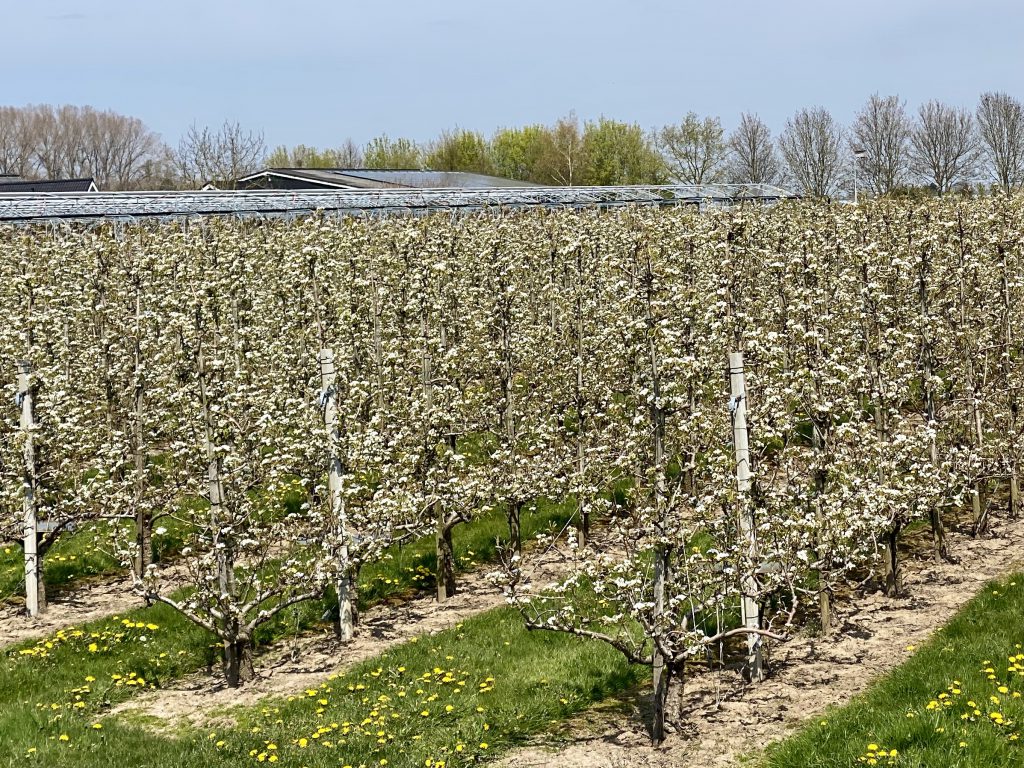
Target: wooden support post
point(335, 487)
point(33, 570)
point(749, 608)
point(214, 487)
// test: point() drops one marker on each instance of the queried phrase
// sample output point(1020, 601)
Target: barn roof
point(368, 178)
point(22, 186)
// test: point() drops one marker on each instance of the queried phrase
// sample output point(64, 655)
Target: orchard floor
point(305, 661)
point(727, 722)
point(74, 604)
point(808, 673)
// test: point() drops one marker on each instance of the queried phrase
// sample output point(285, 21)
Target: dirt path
point(75, 604)
point(305, 661)
point(809, 673)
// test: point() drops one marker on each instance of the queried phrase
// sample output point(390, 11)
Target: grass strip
point(444, 700)
point(957, 702)
point(148, 647)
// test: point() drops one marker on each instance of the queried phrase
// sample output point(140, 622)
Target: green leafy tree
point(561, 157)
point(348, 155)
point(619, 153)
point(384, 152)
point(461, 150)
point(517, 152)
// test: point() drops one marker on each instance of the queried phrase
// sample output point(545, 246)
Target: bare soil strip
point(808, 673)
point(74, 605)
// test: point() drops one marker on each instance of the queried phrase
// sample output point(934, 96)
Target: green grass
point(73, 556)
point(83, 554)
point(63, 685)
point(403, 571)
point(410, 569)
point(937, 708)
point(484, 685)
point(407, 569)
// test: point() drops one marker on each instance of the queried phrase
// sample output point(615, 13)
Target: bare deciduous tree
point(695, 150)
point(223, 156)
point(811, 145)
point(752, 156)
point(16, 142)
point(882, 131)
point(74, 142)
point(349, 155)
point(944, 145)
point(116, 148)
point(1001, 127)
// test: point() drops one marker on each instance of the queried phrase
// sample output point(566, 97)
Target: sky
point(319, 71)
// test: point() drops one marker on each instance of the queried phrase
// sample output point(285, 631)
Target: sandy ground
point(808, 673)
point(74, 605)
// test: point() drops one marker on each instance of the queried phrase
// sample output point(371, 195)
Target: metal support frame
point(28, 208)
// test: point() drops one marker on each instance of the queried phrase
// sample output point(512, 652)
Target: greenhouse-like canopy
point(92, 206)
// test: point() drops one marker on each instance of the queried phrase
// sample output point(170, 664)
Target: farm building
point(10, 183)
point(364, 178)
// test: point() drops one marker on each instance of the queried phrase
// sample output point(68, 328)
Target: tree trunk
point(825, 610)
point(238, 666)
point(750, 611)
point(143, 541)
point(515, 535)
point(660, 671)
point(335, 483)
point(820, 479)
point(445, 556)
point(893, 574)
point(674, 702)
point(345, 588)
point(35, 593)
point(977, 511)
point(927, 370)
point(143, 516)
point(978, 505)
point(1014, 406)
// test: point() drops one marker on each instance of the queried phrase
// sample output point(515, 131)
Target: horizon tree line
point(887, 150)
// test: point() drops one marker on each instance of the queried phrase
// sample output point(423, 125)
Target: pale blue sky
point(316, 72)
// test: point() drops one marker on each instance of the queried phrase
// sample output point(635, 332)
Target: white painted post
point(343, 585)
point(749, 609)
point(31, 540)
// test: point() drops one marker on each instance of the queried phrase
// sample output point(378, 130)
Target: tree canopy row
point(302, 395)
point(887, 150)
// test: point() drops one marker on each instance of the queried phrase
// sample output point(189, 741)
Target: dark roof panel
point(437, 179)
point(368, 178)
point(56, 185)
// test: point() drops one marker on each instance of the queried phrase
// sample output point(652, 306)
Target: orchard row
point(330, 387)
